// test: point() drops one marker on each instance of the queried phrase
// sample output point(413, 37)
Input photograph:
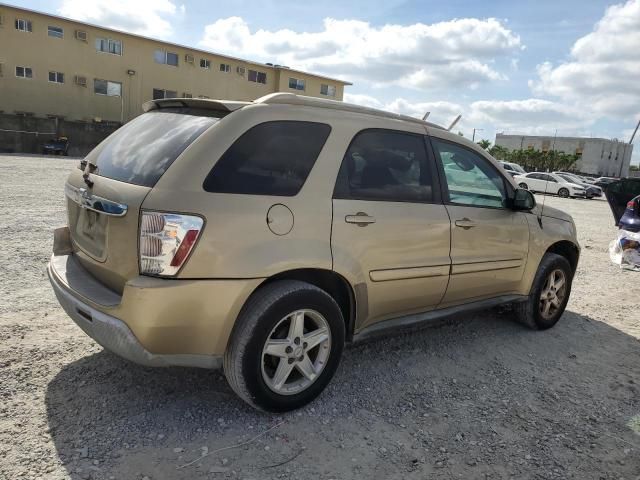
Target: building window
point(187, 95)
point(204, 63)
point(56, 77)
point(296, 84)
point(106, 87)
point(107, 45)
point(55, 31)
point(225, 67)
point(257, 77)
point(24, 72)
point(166, 58)
point(24, 25)
point(159, 94)
point(328, 90)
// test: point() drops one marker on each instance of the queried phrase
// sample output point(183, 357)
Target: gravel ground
point(477, 397)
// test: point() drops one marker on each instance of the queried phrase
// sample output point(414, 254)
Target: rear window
point(143, 149)
point(272, 158)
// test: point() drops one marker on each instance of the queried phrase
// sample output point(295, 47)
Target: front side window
point(272, 158)
point(296, 84)
point(257, 77)
point(56, 77)
point(55, 31)
point(24, 72)
point(106, 87)
point(328, 90)
point(159, 94)
point(471, 179)
point(386, 165)
point(108, 45)
point(24, 25)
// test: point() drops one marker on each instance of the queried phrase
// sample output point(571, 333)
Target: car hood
point(551, 212)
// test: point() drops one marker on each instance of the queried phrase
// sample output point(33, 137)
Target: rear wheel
point(285, 347)
point(563, 192)
point(524, 185)
point(549, 293)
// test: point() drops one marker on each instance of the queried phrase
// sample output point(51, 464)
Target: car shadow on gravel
point(107, 416)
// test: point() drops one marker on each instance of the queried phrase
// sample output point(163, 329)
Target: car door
point(549, 184)
point(391, 232)
point(534, 182)
point(489, 242)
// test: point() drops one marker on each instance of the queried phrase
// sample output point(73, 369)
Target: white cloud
point(456, 53)
point(603, 73)
point(144, 17)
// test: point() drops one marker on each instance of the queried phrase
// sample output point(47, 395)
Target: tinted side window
point(273, 158)
point(535, 176)
point(471, 179)
point(386, 165)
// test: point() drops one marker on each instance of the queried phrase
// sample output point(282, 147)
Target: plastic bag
point(625, 250)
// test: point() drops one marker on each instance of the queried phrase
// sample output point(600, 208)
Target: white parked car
point(549, 183)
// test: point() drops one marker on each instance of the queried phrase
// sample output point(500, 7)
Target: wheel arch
point(331, 282)
point(568, 250)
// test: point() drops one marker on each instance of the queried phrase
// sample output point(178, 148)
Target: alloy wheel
point(553, 294)
point(296, 352)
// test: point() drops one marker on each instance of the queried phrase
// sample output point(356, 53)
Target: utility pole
point(473, 138)
point(624, 149)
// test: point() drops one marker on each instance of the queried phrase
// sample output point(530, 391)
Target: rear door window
point(272, 158)
point(143, 149)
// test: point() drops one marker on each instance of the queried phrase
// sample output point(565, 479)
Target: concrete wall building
point(598, 156)
point(56, 67)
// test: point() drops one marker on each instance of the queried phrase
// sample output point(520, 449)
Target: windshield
point(517, 168)
point(143, 149)
point(569, 178)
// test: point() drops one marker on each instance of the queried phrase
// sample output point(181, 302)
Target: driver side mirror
point(523, 200)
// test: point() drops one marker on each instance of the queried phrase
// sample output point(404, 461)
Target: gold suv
point(261, 237)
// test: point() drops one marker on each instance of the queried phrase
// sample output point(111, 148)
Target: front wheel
point(285, 347)
point(549, 293)
point(563, 192)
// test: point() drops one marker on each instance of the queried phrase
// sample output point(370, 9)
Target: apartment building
point(60, 68)
point(596, 156)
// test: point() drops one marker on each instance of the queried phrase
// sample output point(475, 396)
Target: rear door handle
point(465, 223)
point(361, 219)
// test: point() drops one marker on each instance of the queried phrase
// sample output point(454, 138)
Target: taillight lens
point(631, 205)
point(166, 240)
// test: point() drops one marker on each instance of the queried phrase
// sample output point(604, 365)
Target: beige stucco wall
point(74, 57)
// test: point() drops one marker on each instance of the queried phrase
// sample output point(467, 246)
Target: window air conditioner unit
point(81, 35)
point(80, 80)
point(188, 58)
point(240, 71)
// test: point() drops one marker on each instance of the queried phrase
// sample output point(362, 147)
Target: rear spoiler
point(226, 106)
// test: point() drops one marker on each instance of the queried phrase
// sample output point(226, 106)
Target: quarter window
point(471, 179)
point(24, 72)
point(328, 90)
point(272, 158)
point(108, 45)
point(296, 84)
point(106, 87)
point(56, 77)
point(24, 25)
point(386, 165)
point(257, 77)
point(55, 31)
point(159, 94)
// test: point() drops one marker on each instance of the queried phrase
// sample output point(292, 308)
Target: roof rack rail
point(302, 100)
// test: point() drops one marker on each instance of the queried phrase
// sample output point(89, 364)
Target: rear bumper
point(155, 322)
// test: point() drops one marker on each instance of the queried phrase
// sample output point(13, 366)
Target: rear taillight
point(631, 205)
point(166, 240)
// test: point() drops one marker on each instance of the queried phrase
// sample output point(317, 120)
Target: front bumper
point(155, 322)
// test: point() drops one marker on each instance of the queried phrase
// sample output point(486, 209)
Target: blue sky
point(513, 66)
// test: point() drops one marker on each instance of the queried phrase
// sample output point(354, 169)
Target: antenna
point(426, 115)
point(453, 124)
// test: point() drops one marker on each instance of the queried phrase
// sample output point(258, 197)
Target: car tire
point(563, 192)
point(534, 312)
point(265, 323)
point(524, 185)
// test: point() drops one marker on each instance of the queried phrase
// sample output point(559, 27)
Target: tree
point(484, 144)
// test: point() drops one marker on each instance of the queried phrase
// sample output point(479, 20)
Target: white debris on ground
point(479, 397)
point(625, 250)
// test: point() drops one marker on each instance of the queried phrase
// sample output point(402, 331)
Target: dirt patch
point(479, 397)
